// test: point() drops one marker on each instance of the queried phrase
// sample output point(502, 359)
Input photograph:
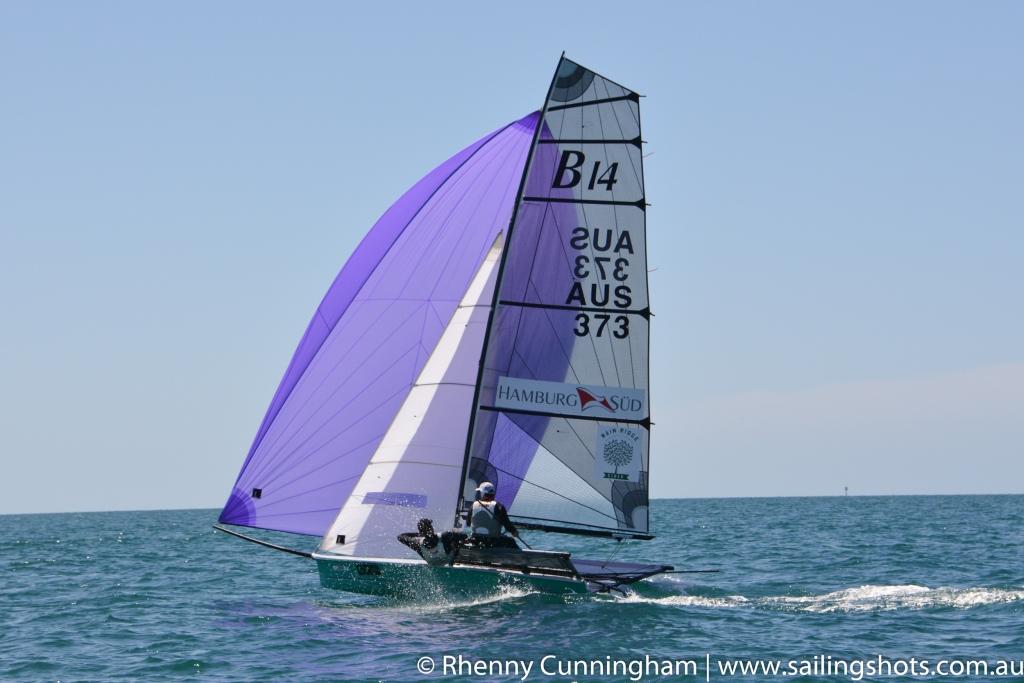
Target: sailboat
point(492, 326)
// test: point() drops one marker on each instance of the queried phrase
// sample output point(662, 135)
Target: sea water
point(832, 585)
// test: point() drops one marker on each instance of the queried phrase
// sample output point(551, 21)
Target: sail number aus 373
point(602, 258)
point(600, 267)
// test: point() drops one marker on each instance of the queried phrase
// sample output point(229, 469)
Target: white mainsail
point(562, 420)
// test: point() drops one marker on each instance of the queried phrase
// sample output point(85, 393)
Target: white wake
point(861, 599)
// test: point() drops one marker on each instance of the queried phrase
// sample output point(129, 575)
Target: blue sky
point(837, 226)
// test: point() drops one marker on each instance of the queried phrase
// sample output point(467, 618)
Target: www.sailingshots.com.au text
point(710, 666)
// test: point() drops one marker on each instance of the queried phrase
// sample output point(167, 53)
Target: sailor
point(488, 517)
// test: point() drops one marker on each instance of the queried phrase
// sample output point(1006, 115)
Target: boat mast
point(497, 290)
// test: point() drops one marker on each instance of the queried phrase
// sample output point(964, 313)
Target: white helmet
point(485, 489)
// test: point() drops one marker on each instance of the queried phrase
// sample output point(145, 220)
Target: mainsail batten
point(562, 416)
point(372, 335)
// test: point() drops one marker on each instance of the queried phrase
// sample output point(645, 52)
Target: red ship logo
point(587, 398)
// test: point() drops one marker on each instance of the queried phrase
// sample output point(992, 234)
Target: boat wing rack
point(611, 575)
point(603, 575)
point(527, 561)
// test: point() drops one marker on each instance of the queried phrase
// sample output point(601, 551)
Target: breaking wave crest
point(861, 599)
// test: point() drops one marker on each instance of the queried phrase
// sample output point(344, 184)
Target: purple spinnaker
point(372, 334)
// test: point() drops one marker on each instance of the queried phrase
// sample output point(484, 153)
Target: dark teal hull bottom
point(419, 580)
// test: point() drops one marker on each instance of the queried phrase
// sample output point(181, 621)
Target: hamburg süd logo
point(587, 399)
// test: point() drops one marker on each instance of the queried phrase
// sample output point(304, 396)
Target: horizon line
point(765, 497)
